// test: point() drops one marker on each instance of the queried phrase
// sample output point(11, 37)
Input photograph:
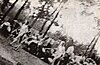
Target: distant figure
point(5, 29)
point(70, 50)
point(60, 52)
point(79, 59)
point(23, 29)
point(90, 61)
point(65, 60)
point(14, 33)
point(7, 24)
point(16, 24)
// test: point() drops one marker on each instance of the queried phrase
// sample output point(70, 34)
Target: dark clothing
point(4, 31)
point(5, 2)
point(65, 60)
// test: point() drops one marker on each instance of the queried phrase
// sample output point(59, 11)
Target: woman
point(60, 52)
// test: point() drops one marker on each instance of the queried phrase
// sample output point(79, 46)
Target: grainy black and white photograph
point(49, 32)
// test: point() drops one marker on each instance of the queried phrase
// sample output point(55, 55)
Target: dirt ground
point(8, 53)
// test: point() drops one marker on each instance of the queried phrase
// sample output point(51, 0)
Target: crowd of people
point(42, 47)
point(22, 36)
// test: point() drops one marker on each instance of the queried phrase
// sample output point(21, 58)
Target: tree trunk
point(47, 20)
point(51, 24)
point(39, 14)
point(19, 11)
point(8, 12)
point(43, 26)
point(91, 44)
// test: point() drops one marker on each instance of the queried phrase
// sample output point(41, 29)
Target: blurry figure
point(5, 29)
point(26, 39)
point(30, 44)
point(70, 51)
point(49, 43)
point(6, 24)
point(79, 59)
point(90, 61)
point(65, 60)
point(60, 52)
point(13, 34)
point(23, 29)
point(40, 43)
point(16, 24)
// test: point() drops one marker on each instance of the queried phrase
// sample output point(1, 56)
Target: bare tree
point(19, 11)
point(17, 15)
point(39, 14)
point(51, 24)
point(48, 18)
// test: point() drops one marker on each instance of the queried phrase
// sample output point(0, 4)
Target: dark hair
point(27, 23)
point(29, 27)
point(80, 54)
point(40, 33)
point(19, 63)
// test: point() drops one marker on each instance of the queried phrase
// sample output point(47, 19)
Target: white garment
point(9, 29)
point(78, 58)
point(70, 50)
point(23, 29)
point(60, 51)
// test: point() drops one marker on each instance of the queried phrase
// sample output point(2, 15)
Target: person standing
point(60, 52)
point(23, 29)
point(5, 28)
point(7, 24)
